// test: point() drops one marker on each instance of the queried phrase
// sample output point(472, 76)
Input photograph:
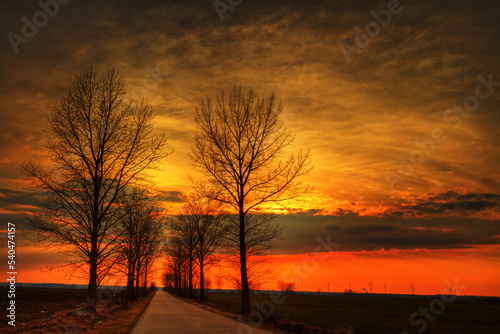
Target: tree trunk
point(92, 289)
point(202, 283)
point(130, 284)
point(137, 277)
point(145, 285)
point(245, 290)
point(190, 288)
point(177, 279)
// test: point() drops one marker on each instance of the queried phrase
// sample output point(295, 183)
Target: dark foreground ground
point(39, 309)
point(369, 314)
point(60, 310)
point(36, 303)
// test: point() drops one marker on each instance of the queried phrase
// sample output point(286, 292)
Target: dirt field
point(36, 303)
point(51, 310)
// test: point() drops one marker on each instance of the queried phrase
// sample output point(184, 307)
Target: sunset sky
point(401, 118)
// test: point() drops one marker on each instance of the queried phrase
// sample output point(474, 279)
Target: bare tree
point(168, 279)
point(219, 279)
point(287, 288)
point(152, 248)
point(262, 234)
point(142, 230)
point(183, 229)
point(209, 228)
point(200, 229)
point(240, 147)
point(100, 146)
point(177, 265)
point(127, 254)
point(208, 283)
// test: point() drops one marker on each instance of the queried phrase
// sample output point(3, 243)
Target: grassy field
point(370, 314)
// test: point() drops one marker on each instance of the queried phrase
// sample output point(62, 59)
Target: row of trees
point(93, 201)
point(195, 241)
point(100, 148)
point(204, 235)
point(141, 244)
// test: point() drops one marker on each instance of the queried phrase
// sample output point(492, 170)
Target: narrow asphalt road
point(168, 314)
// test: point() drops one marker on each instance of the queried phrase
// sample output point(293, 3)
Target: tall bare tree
point(183, 239)
point(141, 236)
point(150, 247)
point(240, 147)
point(209, 229)
point(199, 229)
point(262, 234)
point(177, 265)
point(100, 146)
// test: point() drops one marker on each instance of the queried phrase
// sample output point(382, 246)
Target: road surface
point(168, 314)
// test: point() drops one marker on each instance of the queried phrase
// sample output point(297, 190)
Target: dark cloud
point(171, 196)
point(344, 212)
point(14, 200)
point(373, 233)
point(450, 203)
point(451, 195)
point(370, 228)
point(332, 227)
point(310, 212)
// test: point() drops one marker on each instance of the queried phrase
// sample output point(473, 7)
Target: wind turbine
point(412, 286)
point(328, 285)
point(385, 288)
point(371, 284)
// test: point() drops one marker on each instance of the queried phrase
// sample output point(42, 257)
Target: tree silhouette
point(261, 235)
point(240, 148)
point(177, 265)
point(100, 146)
point(288, 288)
point(183, 253)
point(219, 279)
point(141, 234)
point(200, 227)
